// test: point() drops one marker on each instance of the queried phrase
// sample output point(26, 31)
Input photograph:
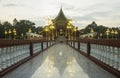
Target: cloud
point(84, 18)
point(68, 6)
point(104, 12)
point(10, 5)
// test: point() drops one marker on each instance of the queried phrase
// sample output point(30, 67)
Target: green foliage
point(5, 26)
point(99, 29)
point(21, 27)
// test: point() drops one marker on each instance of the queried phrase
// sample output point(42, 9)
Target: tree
point(23, 26)
point(15, 21)
point(6, 26)
point(39, 30)
point(1, 31)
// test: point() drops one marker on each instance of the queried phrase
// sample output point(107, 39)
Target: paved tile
point(59, 61)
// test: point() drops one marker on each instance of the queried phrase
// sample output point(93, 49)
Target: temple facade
point(60, 23)
point(61, 26)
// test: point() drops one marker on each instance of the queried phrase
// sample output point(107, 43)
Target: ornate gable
point(60, 22)
point(60, 16)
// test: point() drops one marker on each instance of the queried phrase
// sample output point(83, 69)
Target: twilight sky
point(83, 12)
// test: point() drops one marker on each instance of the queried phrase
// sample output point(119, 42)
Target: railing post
point(42, 46)
point(31, 49)
point(47, 44)
point(88, 49)
point(74, 44)
point(50, 42)
point(78, 45)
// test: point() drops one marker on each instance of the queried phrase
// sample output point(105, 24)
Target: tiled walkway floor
point(59, 61)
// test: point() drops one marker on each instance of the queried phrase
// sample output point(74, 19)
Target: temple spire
point(60, 15)
point(60, 4)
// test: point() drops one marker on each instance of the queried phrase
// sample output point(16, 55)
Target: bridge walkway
point(59, 61)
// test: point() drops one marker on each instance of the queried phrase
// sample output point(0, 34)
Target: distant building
point(60, 23)
point(89, 35)
point(33, 35)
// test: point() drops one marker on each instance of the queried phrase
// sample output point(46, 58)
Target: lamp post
point(46, 30)
point(52, 29)
point(101, 35)
point(72, 32)
point(68, 28)
point(116, 32)
point(49, 21)
point(74, 29)
point(92, 32)
point(5, 34)
point(112, 32)
point(14, 33)
point(107, 33)
point(22, 35)
point(9, 33)
point(29, 30)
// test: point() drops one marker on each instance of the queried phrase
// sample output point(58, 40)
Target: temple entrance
point(61, 32)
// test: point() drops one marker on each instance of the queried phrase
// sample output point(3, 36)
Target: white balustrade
point(36, 47)
point(107, 54)
point(0, 59)
point(76, 45)
point(118, 59)
point(3, 58)
point(8, 56)
point(83, 47)
point(44, 45)
point(111, 56)
point(72, 44)
point(48, 44)
point(12, 54)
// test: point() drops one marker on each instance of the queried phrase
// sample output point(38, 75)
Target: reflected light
point(52, 62)
point(68, 62)
point(71, 71)
point(60, 53)
point(48, 72)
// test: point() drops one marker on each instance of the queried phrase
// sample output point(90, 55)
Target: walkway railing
point(105, 53)
point(15, 52)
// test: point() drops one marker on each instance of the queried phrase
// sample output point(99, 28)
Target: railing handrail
point(7, 43)
point(114, 43)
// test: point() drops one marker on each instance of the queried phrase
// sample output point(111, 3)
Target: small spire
point(60, 4)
